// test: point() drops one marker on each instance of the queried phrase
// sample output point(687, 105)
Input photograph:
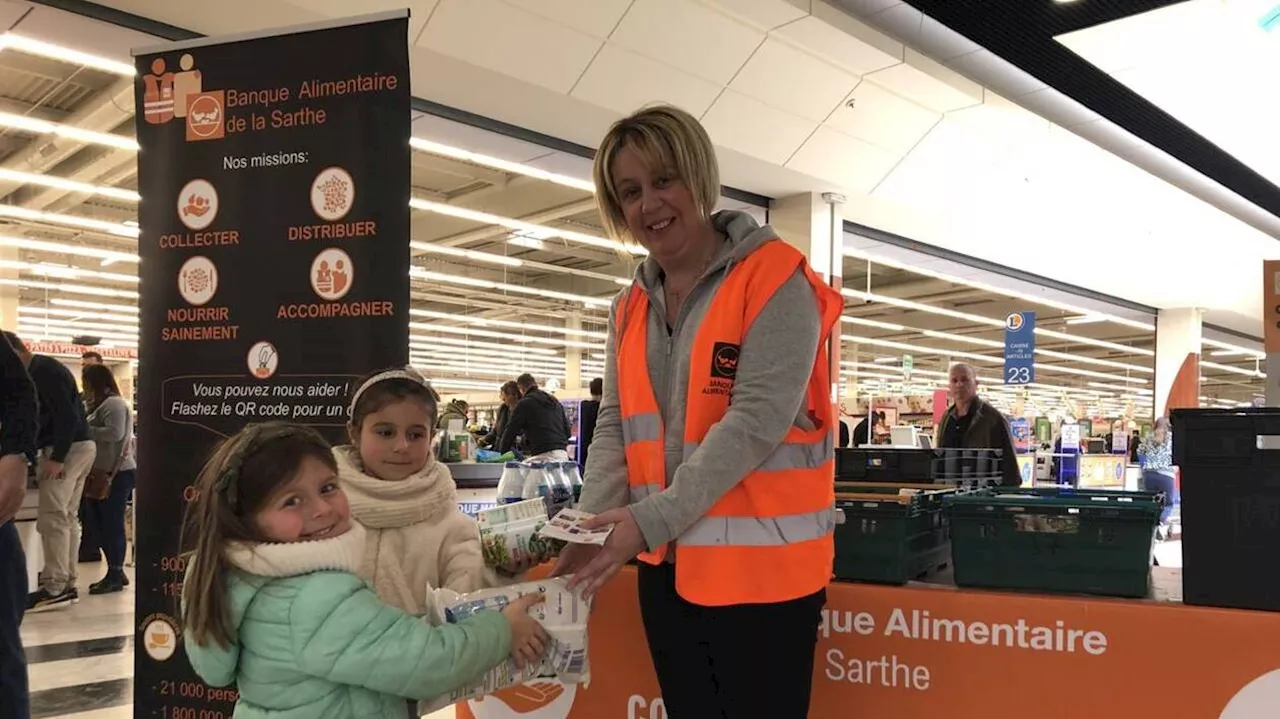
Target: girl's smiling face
point(308, 507)
point(395, 441)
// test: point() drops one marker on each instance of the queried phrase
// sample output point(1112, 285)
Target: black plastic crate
point(968, 468)
point(1230, 485)
point(890, 533)
point(1054, 539)
point(884, 465)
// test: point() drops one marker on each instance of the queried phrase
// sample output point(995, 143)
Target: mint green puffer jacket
point(323, 646)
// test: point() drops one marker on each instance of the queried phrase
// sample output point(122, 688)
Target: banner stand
point(275, 177)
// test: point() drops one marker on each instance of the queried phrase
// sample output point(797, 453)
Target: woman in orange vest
point(712, 455)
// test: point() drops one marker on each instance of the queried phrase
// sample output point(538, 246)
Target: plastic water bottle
point(536, 482)
point(511, 484)
point(571, 471)
point(561, 488)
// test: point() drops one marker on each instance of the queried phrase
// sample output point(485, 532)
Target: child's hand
point(528, 638)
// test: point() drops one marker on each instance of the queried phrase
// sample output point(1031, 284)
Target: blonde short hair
point(668, 138)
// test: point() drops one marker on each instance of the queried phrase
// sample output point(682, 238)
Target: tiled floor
point(80, 658)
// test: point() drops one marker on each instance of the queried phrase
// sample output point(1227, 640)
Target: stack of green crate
point(1055, 539)
point(891, 533)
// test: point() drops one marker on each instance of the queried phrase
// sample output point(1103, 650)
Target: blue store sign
point(1020, 348)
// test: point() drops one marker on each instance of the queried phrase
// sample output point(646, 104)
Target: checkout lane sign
point(1020, 348)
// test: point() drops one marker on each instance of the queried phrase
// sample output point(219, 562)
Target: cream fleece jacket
point(417, 538)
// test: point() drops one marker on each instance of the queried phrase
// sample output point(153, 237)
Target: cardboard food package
point(563, 614)
point(509, 534)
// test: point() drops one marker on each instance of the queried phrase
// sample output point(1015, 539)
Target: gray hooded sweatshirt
point(774, 364)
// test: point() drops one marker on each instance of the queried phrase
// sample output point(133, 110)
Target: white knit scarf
point(381, 504)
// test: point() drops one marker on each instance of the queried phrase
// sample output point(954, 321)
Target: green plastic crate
point(1055, 540)
point(891, 533)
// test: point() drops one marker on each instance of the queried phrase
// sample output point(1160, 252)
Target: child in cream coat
point(418, 539)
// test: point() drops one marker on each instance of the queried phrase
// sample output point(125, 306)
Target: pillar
point(9, 293)
point(1177, 380)
point(1271, 329)
point(813, 223)
point(573, 357)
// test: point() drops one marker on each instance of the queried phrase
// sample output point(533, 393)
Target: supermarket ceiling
point(506, 239)
point(805, 95)
point(1167, 71)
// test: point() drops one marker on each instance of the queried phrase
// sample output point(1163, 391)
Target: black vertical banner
point(274, 174)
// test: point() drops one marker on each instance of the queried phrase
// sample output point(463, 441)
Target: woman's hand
point(573, 558)
point(624, 543)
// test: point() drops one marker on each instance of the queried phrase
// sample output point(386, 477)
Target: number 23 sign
point(1020, 348)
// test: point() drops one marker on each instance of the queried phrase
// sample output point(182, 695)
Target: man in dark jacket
point(18, 426)
point(66, 456)
point(541, 418)
point(971, 423)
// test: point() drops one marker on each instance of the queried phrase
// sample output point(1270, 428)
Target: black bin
point(1230, 506)
point(883, 465)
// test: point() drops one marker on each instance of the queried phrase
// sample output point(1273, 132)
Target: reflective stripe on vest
point(788, 455)
point(645, 427)
point(769, 538)
point(760, 531)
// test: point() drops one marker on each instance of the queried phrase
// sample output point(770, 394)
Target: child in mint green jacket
point(272, 602)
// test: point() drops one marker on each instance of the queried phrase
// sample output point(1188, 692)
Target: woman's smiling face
point(660, 211)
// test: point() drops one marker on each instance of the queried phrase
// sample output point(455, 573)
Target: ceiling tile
point(419, 10)
point(597, 18)
point(624, 82)
point(751, 127)
point(856, 165)
point(882, 118)
point(924, 81)
point(71, 30)
point(996, 73)
point(764, 14)
point(843, 41)
point(511, 41)
point(689, 36)
point(785, 77)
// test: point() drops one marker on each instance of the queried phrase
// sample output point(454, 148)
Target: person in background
point(587, 414)
point(865, 431)
point(19, 423)
point(91, 546)
point(1155, 454)
point(510, 396)
point(541, 419)
point(971, 423)
point(66, 456)
point(111, 427)
point(716, 420)
point(455, 410)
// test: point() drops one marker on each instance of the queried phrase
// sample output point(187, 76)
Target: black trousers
point(14, 700)
point(744, 661)
point(108, 516)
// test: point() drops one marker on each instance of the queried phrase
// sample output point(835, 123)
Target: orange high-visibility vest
point(769, 539)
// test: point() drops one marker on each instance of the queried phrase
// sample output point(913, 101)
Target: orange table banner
point(919, 652)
